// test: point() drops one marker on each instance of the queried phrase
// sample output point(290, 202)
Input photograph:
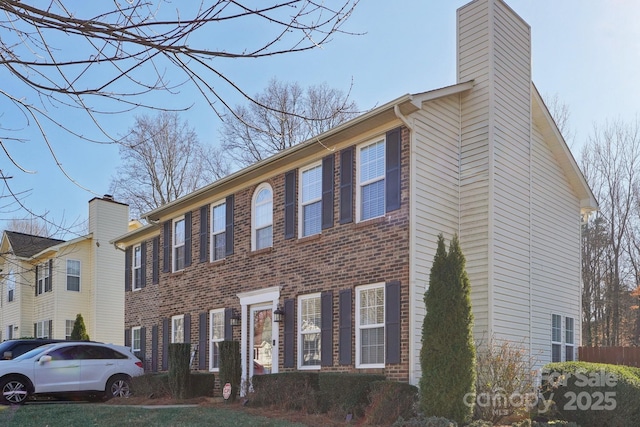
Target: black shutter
point(327, 191)
point(36, 286)
point(229, 226)
point(187, 239)
point(165, 344)
point(290, 204)
point(154, 348)
point(346, 185)
point(35, 330)
point(166, 247)
point(289, 334)
point(202, 341)
point(127, 337)
point(143, 264)
point(187, 328)
point(155, 267)
point(326, 328)
point(204, 233)
point(345, 335)
point(392, 178)
point(50, 326)
point(228, 331)
point(127, 269)
point(392, 322)
point(143, 346)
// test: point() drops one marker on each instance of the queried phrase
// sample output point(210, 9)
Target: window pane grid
point(312, 219)
point(372, 345)
point(217, 335)
point(311, 318)
point(263, 237)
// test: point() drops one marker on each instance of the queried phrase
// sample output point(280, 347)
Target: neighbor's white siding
point(475, 62)
point(555, 249)
point(435, 201)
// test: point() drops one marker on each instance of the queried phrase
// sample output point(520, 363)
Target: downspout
point(412, 298)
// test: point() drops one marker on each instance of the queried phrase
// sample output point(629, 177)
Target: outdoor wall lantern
point(278, 314)
point(235, 318)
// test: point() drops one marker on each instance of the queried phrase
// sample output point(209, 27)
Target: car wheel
point(15, 390)
point(118, 386)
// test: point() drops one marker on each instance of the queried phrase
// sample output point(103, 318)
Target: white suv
point(93, 369)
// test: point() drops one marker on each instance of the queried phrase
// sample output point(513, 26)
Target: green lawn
point(85, 414)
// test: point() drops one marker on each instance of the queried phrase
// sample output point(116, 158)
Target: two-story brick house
point(47, 282)
point(337, 234)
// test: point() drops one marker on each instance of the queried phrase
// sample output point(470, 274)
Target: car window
point(64, 353)
point(36, 351)
point(22, 348)
point(99, 352)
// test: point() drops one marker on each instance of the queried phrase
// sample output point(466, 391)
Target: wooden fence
point(629, 356)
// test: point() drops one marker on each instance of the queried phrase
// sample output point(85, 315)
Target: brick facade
point(343, 256)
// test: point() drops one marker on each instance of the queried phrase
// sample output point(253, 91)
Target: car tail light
point(139, 364)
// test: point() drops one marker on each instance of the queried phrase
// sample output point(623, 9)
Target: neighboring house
point(47, 282)
point(337, 235)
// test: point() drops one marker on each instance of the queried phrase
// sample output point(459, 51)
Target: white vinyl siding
point(370, 341)
point(216, 336)
point(310, 212)
point(262, 218)
point(218, 231)
point(177, 329)
point(309, 319)
point(73, 275)
point(370, 170)
point(178, 242)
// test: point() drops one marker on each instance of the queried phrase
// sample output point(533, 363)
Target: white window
point(136, 266)
point(218, 231)
point(73, 275)
point(44, 281)
point(178, 244)
point(370, 326)
point(177, 329)
point(68, 328)
point(216, 335)
point(42, 329)
point(309, 319)
point(135, 339)
point(262, 229)
point(310, 213)
point(556, 338)
point(569, 339)
point(11, 286)
point(371, 175)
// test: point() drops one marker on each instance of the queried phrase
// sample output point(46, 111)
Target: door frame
point(267, 296)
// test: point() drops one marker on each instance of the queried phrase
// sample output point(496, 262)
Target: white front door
point(262, 341)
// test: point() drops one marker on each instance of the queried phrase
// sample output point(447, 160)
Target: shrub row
point(157, 385)
point(336, 393)
point(594, 394)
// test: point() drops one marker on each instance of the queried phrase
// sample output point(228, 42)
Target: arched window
point(262, 218)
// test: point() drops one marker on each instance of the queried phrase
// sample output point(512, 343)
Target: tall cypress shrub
point(179, 370)
point(447, 357)
point(230, 366)
point(79, 331)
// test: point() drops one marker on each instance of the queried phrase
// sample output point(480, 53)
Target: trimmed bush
point(230, 367)
point(594, 394)
point(422, 421)
point(156, 385)
point(344, 394)
point(290, 390)
point(390, 400)
point(179, 370)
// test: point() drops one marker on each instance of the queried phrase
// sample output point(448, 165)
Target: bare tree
point(610, 162)
point(561, 115)
point(285, 115)
point(68, 65)
point(34, 226)
point(162, 159)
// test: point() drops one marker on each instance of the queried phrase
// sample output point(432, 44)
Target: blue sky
point(585, 52)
